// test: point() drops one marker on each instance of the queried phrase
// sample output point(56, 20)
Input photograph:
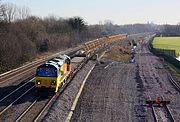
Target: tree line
point(24, 36)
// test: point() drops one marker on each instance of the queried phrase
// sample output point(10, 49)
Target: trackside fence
point(168, 55)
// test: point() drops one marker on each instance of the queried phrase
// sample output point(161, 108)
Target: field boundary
point(167, 43)
point(169, 58)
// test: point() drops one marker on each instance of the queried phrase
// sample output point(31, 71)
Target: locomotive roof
point(50, 64)
point(63, 57)
point(55, 62)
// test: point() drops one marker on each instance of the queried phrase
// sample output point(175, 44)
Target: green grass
point(172, 43)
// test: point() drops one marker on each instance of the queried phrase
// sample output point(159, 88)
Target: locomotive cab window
point(46, 72)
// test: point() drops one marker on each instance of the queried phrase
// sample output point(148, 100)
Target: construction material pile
point(119, 53)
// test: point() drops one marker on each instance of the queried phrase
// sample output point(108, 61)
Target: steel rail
point(72, 74)
point(16, 90)
point(19, 71)
point(168, 113)
point(169, 117)
point(26, 68)
point(81, 64)
point(173, 82)
point(52, 98)
point(45, 107)
point(21, 116)
point(15, 72)
point(6, 108)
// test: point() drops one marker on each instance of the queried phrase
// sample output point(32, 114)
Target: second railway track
point(6, 104)
point(157, 81)
point(23, 104)
point(174, 82)
point(29, 67)
point(35, 110)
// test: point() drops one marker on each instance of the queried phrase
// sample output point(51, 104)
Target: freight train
point(53, 73)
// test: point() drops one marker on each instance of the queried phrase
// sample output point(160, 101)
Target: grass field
point(172, 43)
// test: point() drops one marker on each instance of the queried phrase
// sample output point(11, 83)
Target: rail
point(162, 113)
point(36, 116)
point(14, 91)
point(26, 68)
point(90, 46)
point(7, 107)
point(173, 82)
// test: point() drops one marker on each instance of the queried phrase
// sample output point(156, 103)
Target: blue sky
point(119, 11)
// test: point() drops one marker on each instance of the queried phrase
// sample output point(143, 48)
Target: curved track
point(155, 80)
point(174, 82)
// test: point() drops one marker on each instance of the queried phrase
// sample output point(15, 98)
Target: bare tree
point(3, 24)
point(1, 7)
point(2, 13)
point(23, 13)
point(11, 11)
point(8, 12)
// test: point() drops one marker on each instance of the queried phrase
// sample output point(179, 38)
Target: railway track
point(162, 113)
point(16, 90)
point(173, 82)
point(88, 47)
point(19, 71)
point(10, 98)
point(7, 103)
point(171, 79)
point(36, 109)
point(29, 67)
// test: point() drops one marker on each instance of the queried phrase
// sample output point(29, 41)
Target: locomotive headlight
point(53, 82)
point(38, 82)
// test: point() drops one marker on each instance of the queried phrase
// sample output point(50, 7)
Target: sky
point(96, 11)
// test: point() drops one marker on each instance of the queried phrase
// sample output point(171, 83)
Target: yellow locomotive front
point(47, 77)
point(52, 74)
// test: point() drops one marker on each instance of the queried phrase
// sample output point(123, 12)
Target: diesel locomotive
point(52, 74)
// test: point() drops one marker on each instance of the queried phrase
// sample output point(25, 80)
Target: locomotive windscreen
point(49, 71)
